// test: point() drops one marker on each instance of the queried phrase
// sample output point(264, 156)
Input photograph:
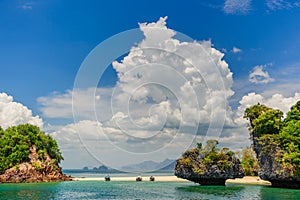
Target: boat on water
point(107, 178)
point(139, 178)
point(152, 178)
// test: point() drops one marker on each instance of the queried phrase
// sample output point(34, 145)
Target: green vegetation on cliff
point(276, 136)
point(249, 161)
point(209, 165)
point(209, 156)
point(16, 141)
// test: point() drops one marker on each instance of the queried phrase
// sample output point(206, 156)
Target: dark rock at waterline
point(271, 169)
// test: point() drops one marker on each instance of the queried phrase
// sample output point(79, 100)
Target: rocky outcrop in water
point(271, 167)
point(35, 170)
point(276, 142)
point(208, 166)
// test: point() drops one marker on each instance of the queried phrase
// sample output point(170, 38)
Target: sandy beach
point(145, 178)
point(252, 180)
point(246, 180)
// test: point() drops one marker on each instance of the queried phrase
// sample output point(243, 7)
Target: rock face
point(213, 176)
point(35, 170)
point(208, 167)
point(276, 141)
point(269, 156)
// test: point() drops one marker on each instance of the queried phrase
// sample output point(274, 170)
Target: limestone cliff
point(276, 141)
point(271, 167)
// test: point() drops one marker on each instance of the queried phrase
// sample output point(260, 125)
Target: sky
point(184, 72)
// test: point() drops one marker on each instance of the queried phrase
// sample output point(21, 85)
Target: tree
point(249, 162)
point(208, 165)
point(253, 112)
point(290, 133)
point(268, 122)
point(202, 158)
point(294, 113)
point(16, 141)
point(277, 137)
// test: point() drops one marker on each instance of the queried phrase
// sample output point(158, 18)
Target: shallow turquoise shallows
point(140, 190)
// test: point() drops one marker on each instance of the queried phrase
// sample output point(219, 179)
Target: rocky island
point(208, 165)
point(29, 155)
point(276, 141)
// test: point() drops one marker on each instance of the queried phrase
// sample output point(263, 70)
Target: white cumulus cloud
point(14, 113)
point(276, 101)
point(258, 75)
point(166, 88)
point(59, 105)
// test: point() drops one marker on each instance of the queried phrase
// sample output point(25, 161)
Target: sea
point(140, 190)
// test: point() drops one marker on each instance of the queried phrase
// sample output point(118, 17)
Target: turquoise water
point(140, 190)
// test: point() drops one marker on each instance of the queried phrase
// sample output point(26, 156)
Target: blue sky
point(43, 43)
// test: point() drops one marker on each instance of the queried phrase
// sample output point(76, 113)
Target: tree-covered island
point(209, 165)
point(29, 155)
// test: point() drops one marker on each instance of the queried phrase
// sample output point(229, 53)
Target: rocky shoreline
point(35, 170)
point(26, 173)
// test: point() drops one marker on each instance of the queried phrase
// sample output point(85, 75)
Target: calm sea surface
point(140, 190)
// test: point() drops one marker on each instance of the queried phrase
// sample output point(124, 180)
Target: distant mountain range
point(150, 166)
point(166, 165)
point(100, 169)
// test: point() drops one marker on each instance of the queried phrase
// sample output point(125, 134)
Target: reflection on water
point(33, 191)
point(217, 192)
point(279, 193)
point(236, 191)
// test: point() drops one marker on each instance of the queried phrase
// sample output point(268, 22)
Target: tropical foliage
point(209, 156)
point(276, 133)
point(15, 143)
point(249, 161)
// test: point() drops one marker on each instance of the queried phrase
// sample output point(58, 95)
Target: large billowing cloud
point(188, 82)
point(13, 113)
point(157, 75)
point(168, 92)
